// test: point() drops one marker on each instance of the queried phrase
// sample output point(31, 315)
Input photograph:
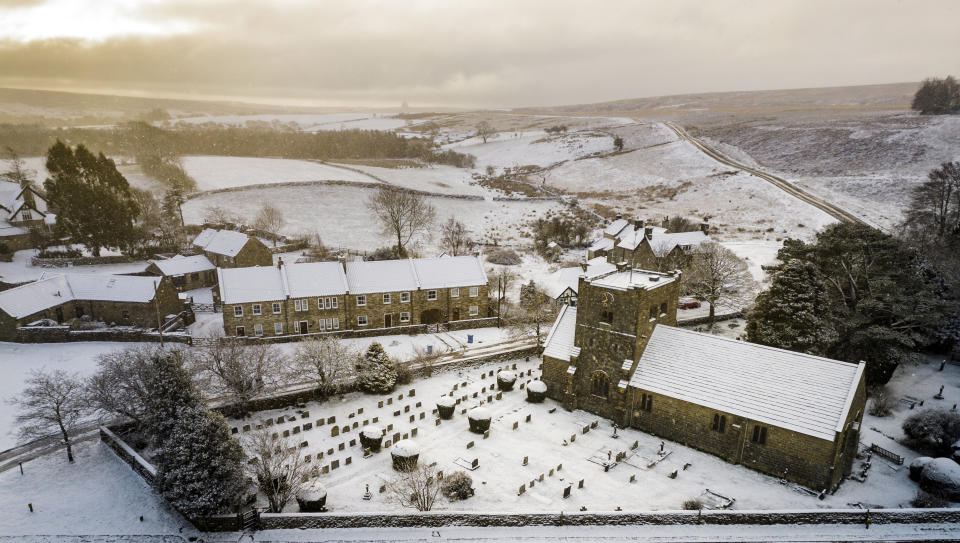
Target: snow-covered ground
point(339, 213)
point(435, 178)
point(20, 269)
point(221, 172)
point(757, 253)
point(511, 149)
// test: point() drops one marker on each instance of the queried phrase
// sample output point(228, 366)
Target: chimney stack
point(648, 232)
point(583, 265)
point(666, 222)
point(704, 227)
point(619, 216)
point(641, 223)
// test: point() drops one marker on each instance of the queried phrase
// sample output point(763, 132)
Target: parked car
point(687, 303)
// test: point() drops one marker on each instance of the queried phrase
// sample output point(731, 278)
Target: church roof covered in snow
point(221, 242)
point(799, 392)
point(623, 280)
point(559, 342)
point(51, 291)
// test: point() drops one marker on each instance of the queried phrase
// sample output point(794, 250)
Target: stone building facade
point(112, 299)
point(390, 296)
point(185, 272)
point(618, 354)
point(229, 249)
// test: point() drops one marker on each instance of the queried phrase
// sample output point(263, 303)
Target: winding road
point(821, 204)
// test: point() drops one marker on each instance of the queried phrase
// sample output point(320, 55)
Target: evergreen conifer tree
point(376, 373)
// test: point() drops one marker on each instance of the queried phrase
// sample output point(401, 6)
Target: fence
point(884, 453)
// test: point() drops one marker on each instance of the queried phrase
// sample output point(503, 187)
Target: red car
point(687, 303)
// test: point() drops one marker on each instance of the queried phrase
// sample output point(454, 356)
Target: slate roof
point(221, 242)
point(180, 265)
point(799, 392)
point(559, 342)
point(51, 291)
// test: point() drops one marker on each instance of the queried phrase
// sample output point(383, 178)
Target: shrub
point(692, 504)
point(376, 373)
point(881, 403)
point(404, 373)
point(384, 253)
point(925, 500)
point(4, 248)
point(503, 256)
point(458, 486)
point(934, 430)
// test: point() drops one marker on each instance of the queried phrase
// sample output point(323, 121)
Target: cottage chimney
point(666, 222)
point(343, 262)
point(619, 216)
point(648, 232)
point(705, 228)
point(641, 223)
point(583, 265)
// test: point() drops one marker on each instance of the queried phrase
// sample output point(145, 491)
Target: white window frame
point(474, 292)
point(404, 297)
point(257, 309)
point(297, 306)
point(278, 328)
point(431, 295)
point(336, 323)
point(361, 320)
point(277, 308)
point(474, 310)
point(404, 316)
point(238, 311)
point(258, 330)
point(386, 298)
point(455, 292)
point(361, 300)
point(335, 302)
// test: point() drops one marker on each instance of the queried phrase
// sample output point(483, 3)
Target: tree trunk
point(713, 314)
point(66, 439)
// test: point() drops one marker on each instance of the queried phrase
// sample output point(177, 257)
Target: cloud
point(493, 53)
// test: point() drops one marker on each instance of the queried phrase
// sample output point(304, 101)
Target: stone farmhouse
point(387, 296)
point(185, 272)
point(646, 246)
point(121, 299)
point(230, 249)
point(22, 208)
point(619, 354)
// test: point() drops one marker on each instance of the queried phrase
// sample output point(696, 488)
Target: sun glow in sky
point(485, 53)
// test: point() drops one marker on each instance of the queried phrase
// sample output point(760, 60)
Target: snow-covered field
point(339, 213)
point(435, 178)
point(509, 149)
point(221, 172)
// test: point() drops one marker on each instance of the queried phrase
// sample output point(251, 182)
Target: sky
point(466, 53)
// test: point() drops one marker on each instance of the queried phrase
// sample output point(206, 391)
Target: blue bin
point(469, 338)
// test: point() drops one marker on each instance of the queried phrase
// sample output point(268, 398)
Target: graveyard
point(532, 457)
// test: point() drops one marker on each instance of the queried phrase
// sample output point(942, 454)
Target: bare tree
point(270, 220)
point(485, 131)
point(325, 362)
point(455, 238)
point(218, 216)
point(533, 316)
point(51, 402)
point(119, 387)
point(277, 466)
point(417, 488)
point(717, 276)
point(17, 171)
point(228, 367)
point(402, 214)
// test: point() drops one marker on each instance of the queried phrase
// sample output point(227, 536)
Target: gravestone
point(540, 478)
point(419, 404)
point(413, 418)
point(331, 420)
point(353, 442)
point(389, 401)
point(406, 436)
point(524, 461)
point(375, 420)
point(412, 392)
point(390, 427)
point(423, 415)
point(335, 464)
point(400, 397)
point(351, 415)
point(489, 398)
point(528, 418)
point(320, 422)
point(359, 410)
point(470, 445)
point(573, 438)
point(437, 422)
point(486, 434)
point(366, 422)
point(268, 422)
point(455, 386)
point(306, 458)
point(387, 444)
point(341, 446)
point(356, 425)
point(413, 433)
point(523, 488)
point(380, 404)
point(475, 464)
point(233, 430)
point(296, 429)
point(303, 444)
point(307, 426)
point(406, 409)
point(633, 478)
point(396, 413)
point(635, 445)
point(550, 473)
point(330, 451)
point(345, 429)
point(326, 470)
point(280, 419)
point(499, 395)
point(348, 461)
point(516, 424)
point(580, 484)
point(286, 433)
point(566, 491)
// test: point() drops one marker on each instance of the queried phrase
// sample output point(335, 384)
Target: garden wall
point(63, 334)
point(63, 262)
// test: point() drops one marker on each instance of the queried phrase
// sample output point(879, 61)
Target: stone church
point(619, 354)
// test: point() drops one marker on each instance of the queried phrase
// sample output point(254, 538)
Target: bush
point(376, 373)
point(61, 253)
point(692, 505)
point(881, 403)
point(926, 500)
point(458, 486)
point(384, 253)
point(404, 373)
point(4, 248)
point(502, 256)
point(933, 430)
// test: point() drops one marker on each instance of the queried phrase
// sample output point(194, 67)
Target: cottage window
point(653, 312)
point(431, 295)
point(336, 323)
point(335, 303)
point(258, 329)
point(404, 316)
point(646, 402)
point(238, 311)
point(474, 310)
point(26, 215)
point(256, 309)
point(719, 423)
point(405, 297)
point(606, 316)
point(361, 300)
point(600, 384)
point(663, 309)
point(474, 292)
point(277, 328)
point(759, 435)
point(386, 299)
point(455, 292)
point(241, 331)
point(296, 305)
point(361, 320)
point(276, 307)
point(125, 315)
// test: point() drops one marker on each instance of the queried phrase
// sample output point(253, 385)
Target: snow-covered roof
point(799, 392)
point(315, 279)
point(254, 284)
point(602, 244)
point(631, 238)
point(623, 280)
point(559, 342)
point(180, 265)
point(615, 227)
point(413, 274)
point(662, 243)
point(569, 278)
point(12, 200)
point(7, 230)
point(51, 291)
point(221, 242)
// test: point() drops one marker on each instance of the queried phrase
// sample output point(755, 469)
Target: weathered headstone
point(303, 444)
point(233, 430)
point(331, 420)
point(345, 429)
point(406, 409)
point(341, 446)
point(396, 437)
point(353, 442)
point(280, 419)
point(419, 404)
point(580, 484)
point(413, 433)
point(348, 461)
point(523, 488)
point(286, 433)
point(475, 464)
point(412, 392)
point(355, 425)
point(296, 429)
point(470, 445)
point(524, 461)
point(516, 424)
point(307, 426)
point(380, 404)
point(389, 401)
point(359, 410)
point(413, 418)
point(375, 420)
point(566, 491)
point(330, 451)
point(486, 434)
point(528, 417)
point(335, 464)
point(423, 415)
point(320, 422)
point(351, 415)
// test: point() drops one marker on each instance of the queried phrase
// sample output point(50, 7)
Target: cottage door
point(387, 320)
point(456, 314)
point(303, 327)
